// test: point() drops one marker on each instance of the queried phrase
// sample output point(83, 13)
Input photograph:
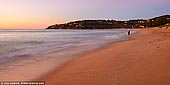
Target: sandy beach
point(143, 60)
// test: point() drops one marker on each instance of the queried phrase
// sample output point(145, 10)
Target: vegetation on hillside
point(110, 24)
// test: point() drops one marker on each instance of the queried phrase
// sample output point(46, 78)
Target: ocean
point(19, 48)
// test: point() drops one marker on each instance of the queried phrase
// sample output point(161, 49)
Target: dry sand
point(143, 60)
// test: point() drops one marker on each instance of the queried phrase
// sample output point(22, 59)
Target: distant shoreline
point(113, 24)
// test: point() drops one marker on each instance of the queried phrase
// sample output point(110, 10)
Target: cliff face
point(110, 24)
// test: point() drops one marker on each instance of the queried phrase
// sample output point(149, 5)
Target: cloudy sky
point(38, 14)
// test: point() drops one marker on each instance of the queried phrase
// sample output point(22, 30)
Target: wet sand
point(143, 60)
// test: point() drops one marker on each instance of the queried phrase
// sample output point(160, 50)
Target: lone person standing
point(129, 32)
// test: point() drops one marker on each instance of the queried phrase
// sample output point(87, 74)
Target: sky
point(39, 14)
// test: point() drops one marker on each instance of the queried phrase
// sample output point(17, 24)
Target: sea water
point(19, 46)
